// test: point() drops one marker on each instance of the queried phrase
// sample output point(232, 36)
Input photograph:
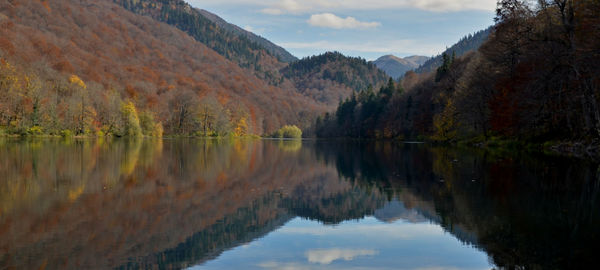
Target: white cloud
point(278, 7)
point(272, 11)
point(329, 20)
point(405, 46)
point(327, 256)
point(254, 30)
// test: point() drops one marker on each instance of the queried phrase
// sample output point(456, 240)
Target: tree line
point(32, 104)
point(536, 78)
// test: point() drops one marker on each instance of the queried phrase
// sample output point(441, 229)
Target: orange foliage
point(64, 66)
point(45, 3)
point(131, 91)
point(7, 46)
point(113, 47)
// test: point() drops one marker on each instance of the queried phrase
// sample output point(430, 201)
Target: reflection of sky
point(365, 244)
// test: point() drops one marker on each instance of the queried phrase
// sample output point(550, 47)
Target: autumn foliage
point(84, 58)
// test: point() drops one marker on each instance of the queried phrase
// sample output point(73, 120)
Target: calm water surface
point(210, 204)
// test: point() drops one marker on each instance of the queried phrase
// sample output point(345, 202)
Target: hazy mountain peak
point(395, 66)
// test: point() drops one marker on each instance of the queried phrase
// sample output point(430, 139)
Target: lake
point(268, 204)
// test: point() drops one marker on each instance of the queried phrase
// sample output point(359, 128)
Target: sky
point(365, 28)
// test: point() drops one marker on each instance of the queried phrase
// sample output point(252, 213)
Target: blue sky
point(365, 28)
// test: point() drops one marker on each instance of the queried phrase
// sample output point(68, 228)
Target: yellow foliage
point(75, 193)
point(74, 79)
point(241, 128)
point(131, 121)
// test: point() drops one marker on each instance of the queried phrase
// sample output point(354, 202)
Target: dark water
point(209, 204)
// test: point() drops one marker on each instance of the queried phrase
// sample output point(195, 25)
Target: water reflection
point(178, 203)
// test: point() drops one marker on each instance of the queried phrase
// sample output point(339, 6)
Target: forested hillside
point(262, 58)
point(469, 43)
point(92, 67)
point(331, 77)
point(234, 46)
point(537, 78)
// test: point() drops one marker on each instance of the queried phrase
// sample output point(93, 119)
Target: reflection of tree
point(524, 211)
point(134, 203)
point(290, 145)
point(238, 228)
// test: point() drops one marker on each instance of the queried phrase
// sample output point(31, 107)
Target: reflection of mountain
point(233, 230)
point(395, 210)
point(169, 205)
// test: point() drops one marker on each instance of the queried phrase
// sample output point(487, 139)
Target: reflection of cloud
point(306, 266)
point(283, 266)
point(396, 210)
point(326, 256)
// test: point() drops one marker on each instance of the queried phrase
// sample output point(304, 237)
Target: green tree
point(288, 132)
point(131, 122)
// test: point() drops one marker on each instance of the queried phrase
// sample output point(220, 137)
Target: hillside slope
point(158, 68)
point(233, 45)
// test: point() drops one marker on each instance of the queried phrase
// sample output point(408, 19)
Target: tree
point(131, 122)
point(149, 126)
point(289, 132)
point(241, 127)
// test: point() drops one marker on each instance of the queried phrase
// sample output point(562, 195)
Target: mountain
point(274, 49)
point(87, 57)
point(396, 67)
point(469, 43)
point(331, 77)
point(260, 57)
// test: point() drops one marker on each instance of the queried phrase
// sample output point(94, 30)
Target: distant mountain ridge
point(396, 67)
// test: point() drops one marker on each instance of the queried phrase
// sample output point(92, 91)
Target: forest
point(536, 79)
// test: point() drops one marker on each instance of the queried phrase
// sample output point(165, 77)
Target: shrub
point(35, 130)
point(66, 133)
point(289, 132)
